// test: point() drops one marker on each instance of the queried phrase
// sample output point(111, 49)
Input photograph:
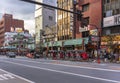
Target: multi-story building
point(91, 16)
point(7, 24)
point(73, 32)
point(65, 20)
point(91, 22)
point(111, 25)
point(44, 17)
point(19, 40)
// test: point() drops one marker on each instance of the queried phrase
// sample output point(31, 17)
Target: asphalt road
point(26, 70)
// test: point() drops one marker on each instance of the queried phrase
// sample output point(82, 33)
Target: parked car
point(11, 54)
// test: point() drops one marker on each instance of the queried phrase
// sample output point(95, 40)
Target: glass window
point(85, 21)
point(109, 13)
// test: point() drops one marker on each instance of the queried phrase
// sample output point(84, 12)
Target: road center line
point(80, 75)
point(83, 67)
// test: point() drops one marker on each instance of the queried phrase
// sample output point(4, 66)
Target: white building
point(9, 37)
point(44, 17)
point(23, 40)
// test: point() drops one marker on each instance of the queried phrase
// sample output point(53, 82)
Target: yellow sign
point(19, 30)
point(94, 32)
point(111, 38)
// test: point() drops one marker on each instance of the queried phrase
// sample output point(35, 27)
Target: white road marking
point(6, 76)
point(83, 67)
point(80, 75)
point(10, 75)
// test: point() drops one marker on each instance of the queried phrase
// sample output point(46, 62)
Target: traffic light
point(79, 15)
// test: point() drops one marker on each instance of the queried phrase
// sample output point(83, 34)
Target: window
point(106, 1)
point(50, 18)
point(109, 13)
point(85, 22)
point(85, 34)
point(85, 7)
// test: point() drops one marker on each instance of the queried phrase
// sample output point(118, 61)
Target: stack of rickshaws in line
point(77, 55)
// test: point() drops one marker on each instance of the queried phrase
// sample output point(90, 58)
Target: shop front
point(67, 44)
point(75, 44)
point(111, 43)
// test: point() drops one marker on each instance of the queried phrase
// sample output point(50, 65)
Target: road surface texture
point(26, 70)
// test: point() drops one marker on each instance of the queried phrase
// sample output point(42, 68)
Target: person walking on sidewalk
point(106, 56)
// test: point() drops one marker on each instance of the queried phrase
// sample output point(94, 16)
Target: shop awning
point(66, 42)
point(76, 41)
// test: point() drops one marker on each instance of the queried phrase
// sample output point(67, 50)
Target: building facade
point(72, 28)
point(92, 17)
point(90, 25)
point(44, 17)
point(21, 41)
point(65, 20)
point(111, 25)
point(8, 24)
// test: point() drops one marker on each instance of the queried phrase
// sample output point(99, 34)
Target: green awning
point(75, 41)
point(57, 43)
point(67, 42)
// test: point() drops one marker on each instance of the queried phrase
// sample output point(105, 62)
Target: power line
point(39, 3)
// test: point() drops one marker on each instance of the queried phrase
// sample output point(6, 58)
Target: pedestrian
point(106, 56)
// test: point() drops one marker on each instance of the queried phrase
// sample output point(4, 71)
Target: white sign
point(83, 29)
point(109, 21)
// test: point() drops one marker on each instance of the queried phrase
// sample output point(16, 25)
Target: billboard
point(111, 21)
point(108, 21)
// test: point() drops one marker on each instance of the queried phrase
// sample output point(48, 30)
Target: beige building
point(44, 17)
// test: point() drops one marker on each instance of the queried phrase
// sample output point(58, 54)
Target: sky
point(20, 10)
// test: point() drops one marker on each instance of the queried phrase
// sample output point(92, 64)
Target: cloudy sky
point(20, 10)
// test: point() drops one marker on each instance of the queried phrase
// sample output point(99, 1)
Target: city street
point(26, 70)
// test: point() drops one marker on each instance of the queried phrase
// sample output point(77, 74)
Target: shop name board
point(94, 32)
point(111, 21)
point(82, 29)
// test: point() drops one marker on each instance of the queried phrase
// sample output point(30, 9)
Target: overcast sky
point(20, 10)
